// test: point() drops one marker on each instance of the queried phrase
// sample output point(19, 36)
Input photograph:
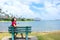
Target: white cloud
point(52, 11)
point(17, 8)
point(22, 8)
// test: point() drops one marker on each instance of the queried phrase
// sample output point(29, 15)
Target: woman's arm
point(14, 25)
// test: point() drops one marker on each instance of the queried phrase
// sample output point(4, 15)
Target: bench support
point(26, 35)
point(13, 36)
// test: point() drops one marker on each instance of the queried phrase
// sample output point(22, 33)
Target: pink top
point(13, 23)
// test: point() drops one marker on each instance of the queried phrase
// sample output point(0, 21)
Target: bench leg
point(22, 35)
point(27, 36)
point(12, 36)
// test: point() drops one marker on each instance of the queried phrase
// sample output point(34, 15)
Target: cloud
point(49, 11)
point(52, 11)
point(43, 9)
point(17, 8)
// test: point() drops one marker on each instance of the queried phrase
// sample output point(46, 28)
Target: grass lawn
point(49, 36)
point(39, 35)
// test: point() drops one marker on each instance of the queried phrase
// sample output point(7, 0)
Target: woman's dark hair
point(12, 19)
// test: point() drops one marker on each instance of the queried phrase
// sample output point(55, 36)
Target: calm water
point(37, 26)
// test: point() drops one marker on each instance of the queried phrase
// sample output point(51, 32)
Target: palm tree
point(0, 10)
point(3, 13)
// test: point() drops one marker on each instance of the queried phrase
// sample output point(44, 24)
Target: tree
point(0, 10)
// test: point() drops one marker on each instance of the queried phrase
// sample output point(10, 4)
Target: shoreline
point(17, 21)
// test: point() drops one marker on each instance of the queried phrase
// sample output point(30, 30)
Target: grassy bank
point(39, 35)
point(49, 36)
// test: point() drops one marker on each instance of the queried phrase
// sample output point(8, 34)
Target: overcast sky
point(43, 9)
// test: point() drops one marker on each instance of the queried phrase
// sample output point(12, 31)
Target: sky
point(43, 9)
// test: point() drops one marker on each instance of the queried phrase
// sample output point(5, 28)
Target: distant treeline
point(18, 19)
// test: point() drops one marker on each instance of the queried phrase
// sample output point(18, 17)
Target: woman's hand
point(14, 25)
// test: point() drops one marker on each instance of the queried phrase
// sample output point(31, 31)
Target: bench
point(26, 30)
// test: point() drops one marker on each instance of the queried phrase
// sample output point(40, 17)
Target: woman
point(14, 25)
point(13, 22)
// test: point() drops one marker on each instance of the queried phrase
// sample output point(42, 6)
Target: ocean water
point(37, 26)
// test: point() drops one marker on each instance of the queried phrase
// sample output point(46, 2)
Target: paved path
point(31, 38)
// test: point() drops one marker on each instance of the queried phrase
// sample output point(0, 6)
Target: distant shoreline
point(4, 21)
point(10, 21)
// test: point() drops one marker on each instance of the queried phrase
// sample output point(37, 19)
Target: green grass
point(49, 36)
point(40, 36)
point(4, 35)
